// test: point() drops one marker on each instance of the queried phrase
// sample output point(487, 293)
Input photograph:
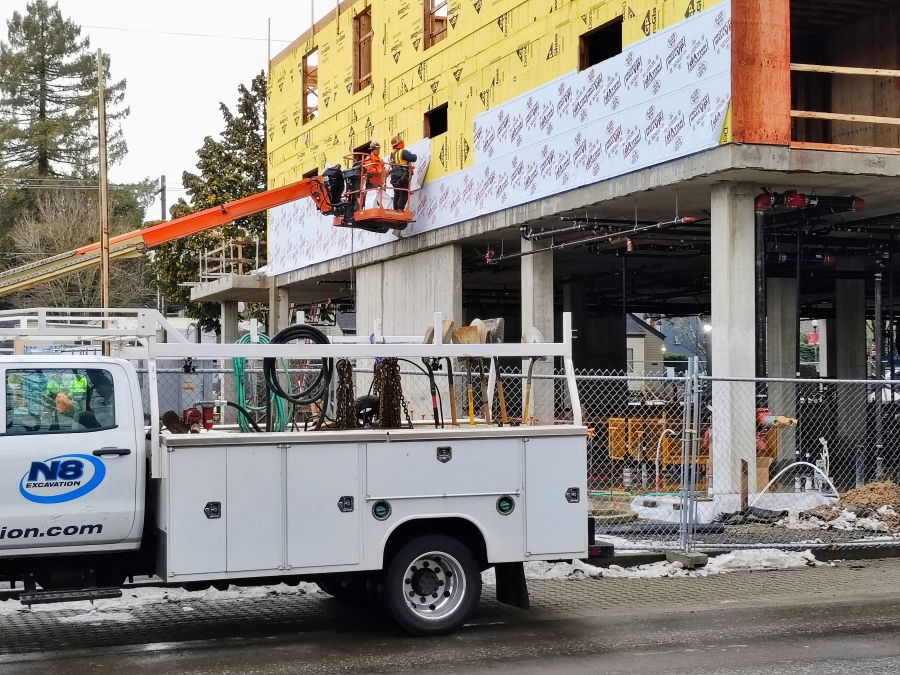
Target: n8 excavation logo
point(62, 478)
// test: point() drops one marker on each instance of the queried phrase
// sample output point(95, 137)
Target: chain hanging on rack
point(386, 385)
point(345, 414)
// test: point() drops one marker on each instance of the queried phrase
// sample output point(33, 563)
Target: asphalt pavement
point(825, 620)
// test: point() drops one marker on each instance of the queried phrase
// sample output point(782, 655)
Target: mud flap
point(511, 587)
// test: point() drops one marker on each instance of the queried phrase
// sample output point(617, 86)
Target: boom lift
point(347, 206)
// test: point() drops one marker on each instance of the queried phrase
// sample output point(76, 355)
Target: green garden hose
point(280, 421)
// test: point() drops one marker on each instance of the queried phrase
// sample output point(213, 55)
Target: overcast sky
point(175, 82)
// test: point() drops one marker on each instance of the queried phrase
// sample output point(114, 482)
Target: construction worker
point(401, 171)
point(374, 172)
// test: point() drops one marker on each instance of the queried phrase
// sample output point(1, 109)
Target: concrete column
point(229, 334)
point(537, 311)
point(279, 308)
point(781, 353)
point(733, 329)
point(850, 358)
point(404, 293)
point(827, 348)
point(575, 301)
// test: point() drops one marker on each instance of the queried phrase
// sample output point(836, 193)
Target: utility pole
point(104, 194)
point(162, 197)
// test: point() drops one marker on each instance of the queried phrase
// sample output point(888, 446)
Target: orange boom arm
point(219, 215)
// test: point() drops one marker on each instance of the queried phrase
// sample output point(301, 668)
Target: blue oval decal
point(53, 477)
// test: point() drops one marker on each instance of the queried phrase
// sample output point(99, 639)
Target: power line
point(165, 32)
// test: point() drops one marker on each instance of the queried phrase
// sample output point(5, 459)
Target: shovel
point(482, 339)
point(495, 329)
point(468, 335)
point(447, 337)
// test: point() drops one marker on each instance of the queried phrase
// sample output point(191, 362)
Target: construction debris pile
point(875, 507)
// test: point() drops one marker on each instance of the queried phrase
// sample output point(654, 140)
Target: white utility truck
point(408, 518)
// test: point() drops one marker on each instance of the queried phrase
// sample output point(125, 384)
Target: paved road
point(825, 621)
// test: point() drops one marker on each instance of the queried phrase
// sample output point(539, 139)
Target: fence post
point(695, 450)
point(745, 484)
point(685, 458)
point(860, 466)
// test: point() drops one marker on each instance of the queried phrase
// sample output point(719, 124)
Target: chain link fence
point(674, 462)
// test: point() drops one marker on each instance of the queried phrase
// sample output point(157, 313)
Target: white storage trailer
point(407, 517)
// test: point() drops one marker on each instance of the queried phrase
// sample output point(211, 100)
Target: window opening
point(362, 62)
point(311, 173)
point(311, 86)
point(436, 121)
point(600, 44)
point(435, 21)
point(47, 400)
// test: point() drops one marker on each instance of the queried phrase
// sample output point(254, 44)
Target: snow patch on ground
point(846, 520)
point(95, 616)
point(736, 561)
point(148, 595)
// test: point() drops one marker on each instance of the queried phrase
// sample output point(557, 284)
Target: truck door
point(68, 456)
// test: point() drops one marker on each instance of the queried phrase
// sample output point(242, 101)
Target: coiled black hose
point(320, 387)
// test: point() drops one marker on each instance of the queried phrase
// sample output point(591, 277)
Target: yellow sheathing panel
point(493, 52)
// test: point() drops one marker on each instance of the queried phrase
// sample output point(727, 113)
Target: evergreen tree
point(231, 167)
point(48, 97)
point(48, 109)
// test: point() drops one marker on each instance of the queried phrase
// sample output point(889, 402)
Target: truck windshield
point(48, 400)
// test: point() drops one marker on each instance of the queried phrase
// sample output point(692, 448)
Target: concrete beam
point(232, 288)
point(843, 172)
point(255, 288)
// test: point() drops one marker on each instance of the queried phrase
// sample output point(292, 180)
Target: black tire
point(433, 585)
point(351, 590)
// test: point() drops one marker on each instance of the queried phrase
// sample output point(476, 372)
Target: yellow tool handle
point(453, 408)
point(500, 396)
point(471, 408)
point(525, 409)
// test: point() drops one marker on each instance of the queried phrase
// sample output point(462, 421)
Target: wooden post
point(104, 194)
point(163, 214)
point(761, 72)
point(745, 487)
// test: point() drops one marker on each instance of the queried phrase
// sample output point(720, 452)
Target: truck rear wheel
point(433, 585)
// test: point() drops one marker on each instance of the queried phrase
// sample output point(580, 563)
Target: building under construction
point(553, 137)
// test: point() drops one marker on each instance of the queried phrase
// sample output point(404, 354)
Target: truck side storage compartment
point(442, 467)
point(323, 504)
point(254, 495)
point(556, 495)
point(196, 542)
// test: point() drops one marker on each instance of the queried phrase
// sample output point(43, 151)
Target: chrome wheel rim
point(434, 585)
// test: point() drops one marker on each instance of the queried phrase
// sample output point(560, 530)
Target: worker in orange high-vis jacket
point(402, 161)
point(374, 171)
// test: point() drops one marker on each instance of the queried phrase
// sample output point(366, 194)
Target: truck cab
point(72, 457)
